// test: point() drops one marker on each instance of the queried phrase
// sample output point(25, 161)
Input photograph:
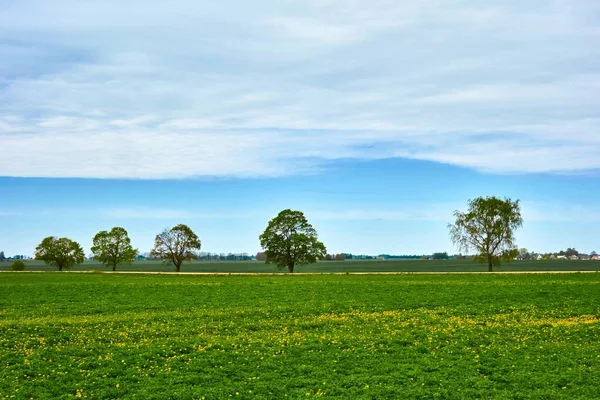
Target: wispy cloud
point(382, 215)
point(9, 214)
point(436, 213)
point(560, 212)
point(256, 90)
point(157, 213)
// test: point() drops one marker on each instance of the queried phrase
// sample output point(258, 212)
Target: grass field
point(305, 336)
point(337, 266)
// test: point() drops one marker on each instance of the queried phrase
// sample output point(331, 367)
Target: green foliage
point(488, 229)
point(569, 253)
point(176, 245)
point(59, 252)
point(17, 265)
point(2, 256)
point(273, 337)
point(440, 256)
point(113, 247)
point(290, 241)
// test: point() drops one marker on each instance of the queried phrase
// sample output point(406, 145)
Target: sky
point(376, 119)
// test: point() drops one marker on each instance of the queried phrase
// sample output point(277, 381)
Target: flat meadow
point(102, 335)
point(392, 265)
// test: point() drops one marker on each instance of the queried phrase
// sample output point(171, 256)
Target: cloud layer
point(182, 89)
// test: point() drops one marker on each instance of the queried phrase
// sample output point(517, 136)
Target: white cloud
point(280, 88)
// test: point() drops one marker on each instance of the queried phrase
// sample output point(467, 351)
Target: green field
point(336, 266)
point(304, 336)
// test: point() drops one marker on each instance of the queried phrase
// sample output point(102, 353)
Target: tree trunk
point(291, 268)
point(490, 265)
point(178, 267)
point(60, 268)
point(114, 268)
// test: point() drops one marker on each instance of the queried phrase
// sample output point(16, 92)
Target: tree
point(176, 245)
point(59, 252)
point(113, 247)
point(2, 256)
point(571, 252)
point(290, 240)
point(17, 265)
point(488, 228)
point(261, 256)
point(440, 256)
point(524, 254)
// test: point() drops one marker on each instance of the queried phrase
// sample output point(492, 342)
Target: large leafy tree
point(176, 245)
point(488, 228)
point(59, 252)
point(290, 241)
point(113, 247)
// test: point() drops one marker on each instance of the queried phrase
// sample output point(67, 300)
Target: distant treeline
point(207, 256)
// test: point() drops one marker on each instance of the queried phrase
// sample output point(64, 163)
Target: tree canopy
point(488, 228)
point(176, 245)
point(113, 247)
point(290, 241)
point(59, 252)
point(2, 256)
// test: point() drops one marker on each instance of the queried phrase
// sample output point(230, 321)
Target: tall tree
point(113, 247)
point(290, 240)
point(176, 245)
point(2, 256)
point(59, 252)
point(488, 229)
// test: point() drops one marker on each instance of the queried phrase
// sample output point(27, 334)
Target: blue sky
point(378, 119)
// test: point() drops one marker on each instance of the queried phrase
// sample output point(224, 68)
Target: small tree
point(2, 256)
point(113, 247)
point(176, 245)
point(488, 228)
point(59, 252)
point(290, 240)
point(18, 265)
